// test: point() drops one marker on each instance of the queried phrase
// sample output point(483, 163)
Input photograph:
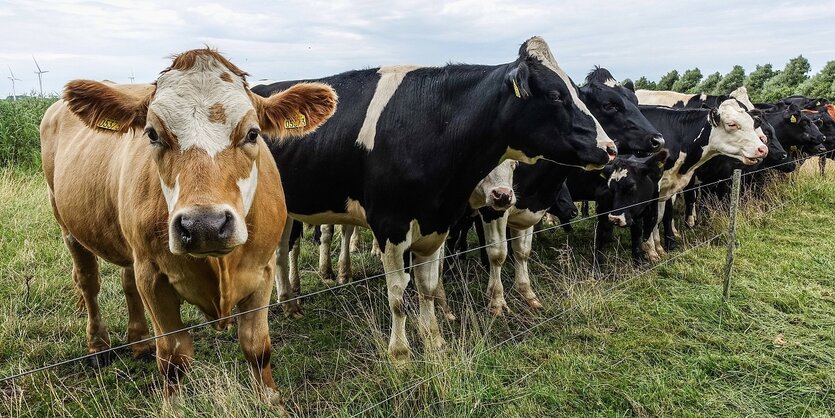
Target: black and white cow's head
point(496, 190)
point(564, 208)
point(631, 184)
point(543, 116)
point(616, 108)
point(734, 135)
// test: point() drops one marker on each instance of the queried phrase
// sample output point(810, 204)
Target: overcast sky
point(290, 40)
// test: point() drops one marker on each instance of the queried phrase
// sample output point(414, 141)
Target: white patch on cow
point(521, 219)
point(611, 82)
point(537, 48)
point(742, 142)
point(355, 210)
point(247, 187)
point(619, 220)
point(617, 175)
point(518, 155)
point(183, 97)
point(741, 94)
point(702, 97)
point(661, 97)
point(390, 79)
point(171, 194)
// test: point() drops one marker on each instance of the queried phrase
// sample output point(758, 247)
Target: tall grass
point(19, 137)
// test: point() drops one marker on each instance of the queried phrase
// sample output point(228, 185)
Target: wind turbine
point(40, 74)
point(13, 78)
point(131, 77)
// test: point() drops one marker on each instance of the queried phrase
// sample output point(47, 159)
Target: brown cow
point(174, 183)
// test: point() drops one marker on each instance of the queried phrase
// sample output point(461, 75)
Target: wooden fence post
point(729, 259)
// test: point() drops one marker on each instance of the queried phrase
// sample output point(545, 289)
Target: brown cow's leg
point(85, 272)
point(283, 287)
point(137, 326)
point(254, 337)
point(325, 265)
point(175, 351)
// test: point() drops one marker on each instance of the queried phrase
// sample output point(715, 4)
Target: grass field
point(635, 343)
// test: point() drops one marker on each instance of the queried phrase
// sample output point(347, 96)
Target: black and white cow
point(406, 148)
point(616, 107)
point(693, 137)
point(624, 197)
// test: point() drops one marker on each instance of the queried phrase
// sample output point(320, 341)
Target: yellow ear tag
point(793, 119)
point(109, 124)
point(299, 122)
point(817, 103)
point(516, 89)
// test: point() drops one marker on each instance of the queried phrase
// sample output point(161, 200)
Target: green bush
point(19, 135)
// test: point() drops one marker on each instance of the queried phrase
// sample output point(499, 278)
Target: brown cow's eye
point(153, 136)
point(252, 136)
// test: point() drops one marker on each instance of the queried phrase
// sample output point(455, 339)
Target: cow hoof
point(293, 310)
point(399, 355)
point(101, 360)
point(534, 303)
point(436, 343)
point(145, 355)
point(498, 308)
point(275, 400)
point(343, 279)
point(690, 221)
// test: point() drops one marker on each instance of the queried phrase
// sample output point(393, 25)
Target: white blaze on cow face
point(617, 175)
point(537, 48)
point(496, 189)
point(735, 135)
point(171, 194)
point(183, 100)
point(390, 79)
point(247, 187)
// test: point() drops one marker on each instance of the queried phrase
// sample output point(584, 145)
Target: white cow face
point(496, 190)
point(733, 133)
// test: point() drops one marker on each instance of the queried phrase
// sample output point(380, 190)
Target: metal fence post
point(729, 259)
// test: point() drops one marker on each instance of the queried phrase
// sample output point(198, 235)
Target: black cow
point(624, 197)
point(536, 185)
point(407, 146)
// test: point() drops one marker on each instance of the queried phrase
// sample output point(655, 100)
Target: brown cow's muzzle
point(206, 231)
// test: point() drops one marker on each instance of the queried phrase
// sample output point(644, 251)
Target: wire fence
point(335, 288)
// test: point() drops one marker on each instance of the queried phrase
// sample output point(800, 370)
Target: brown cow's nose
point(204, 231)
point(501, 196)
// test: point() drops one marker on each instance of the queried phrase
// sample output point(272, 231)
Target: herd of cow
point(177, 182)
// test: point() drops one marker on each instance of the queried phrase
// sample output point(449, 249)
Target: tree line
point(764, 84)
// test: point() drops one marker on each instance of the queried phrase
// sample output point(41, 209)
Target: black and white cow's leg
point(603, 234)
point(496, 242)
point(396, 281)
point(283, 287)
point(652, 244)
point(426, 270)
point(325, 266)
point(669, 232)
point(356, 240)
point(295, 250)
point(636, 231)
point(440, 291)
point(375, 247)
point(522, 241)
point(584, 209)
point(690, 207)
point(673, 230)
point(344, 268)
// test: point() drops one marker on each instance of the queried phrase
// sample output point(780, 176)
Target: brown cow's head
point(204, 128)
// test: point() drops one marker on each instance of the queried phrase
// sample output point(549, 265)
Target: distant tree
point(786, 82)
point(666, 82)
point(644, 84)
point(755, 81)
point(821, 84)
point(688, 81)
point(731, 81)
point(709, 83)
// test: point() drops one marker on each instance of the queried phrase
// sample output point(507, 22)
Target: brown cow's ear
point(297, 111)
point(105, 106)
